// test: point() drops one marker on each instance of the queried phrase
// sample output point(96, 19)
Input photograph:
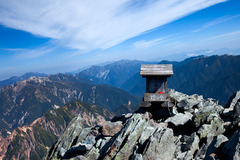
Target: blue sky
point(52, 36)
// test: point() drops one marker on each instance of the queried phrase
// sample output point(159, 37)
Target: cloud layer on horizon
point(90, 25)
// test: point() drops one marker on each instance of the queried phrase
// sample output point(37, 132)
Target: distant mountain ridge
point(15, 79)
point(212, 76)
point(114, 74)
point(209, 76)
point(136, 84)
point(32, 141)
point(27, 100)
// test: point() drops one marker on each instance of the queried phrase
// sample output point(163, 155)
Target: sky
point(55, 36)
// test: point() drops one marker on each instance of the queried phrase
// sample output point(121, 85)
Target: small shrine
point(156, 82)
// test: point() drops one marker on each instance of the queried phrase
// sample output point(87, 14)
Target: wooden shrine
point(156, 81)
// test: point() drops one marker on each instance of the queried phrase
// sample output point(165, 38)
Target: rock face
point(196, 129)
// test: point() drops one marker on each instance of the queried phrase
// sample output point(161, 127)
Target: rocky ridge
point(32, 141)
point(193, 128)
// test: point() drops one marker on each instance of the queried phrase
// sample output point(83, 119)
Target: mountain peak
point(25, 76)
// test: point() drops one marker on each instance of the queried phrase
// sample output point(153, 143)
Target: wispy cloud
point(34, 53)
point(92, 24)
point(191, 55)
point(13, 49)
point(215, 22)
point(146, 44)
point(209, 51)
point(231, 34)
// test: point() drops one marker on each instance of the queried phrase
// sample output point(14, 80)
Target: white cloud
point(192, 55)
point(93, 24)
point(209, 51)
point(215, 22)
point(146, 44)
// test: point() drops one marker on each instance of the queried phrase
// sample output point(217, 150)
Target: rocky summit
point(188, 127)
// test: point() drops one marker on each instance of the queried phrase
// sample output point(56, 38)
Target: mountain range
point(24, 101)
point(212, 76)
point(32, 141)
point(15, 79)
point(114, 74)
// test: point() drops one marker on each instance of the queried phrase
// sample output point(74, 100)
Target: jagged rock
point(179, 119)
point(191, 144)
point(209, 107)
point(231, 149)
point(215, 127)
point(188, 103)
point(99, 142)
point(232, 102)
point(121, 118)
point(62, 151)
point(167, 104)
point(184, 138)
point(236, 110)
point(111, 128)
point(78, 148)
point(178, 96)
point(191, 100)
point(71, 133)
point(215, 144)
point(104, 141)
point(148, 131)
point(233, 119)
point(80, 157)
point(93, 154)
point(137, 157)
point(160, 145)
point(83, 134)
point(125, 142)
point(201, 134)
point(220, 139)
point(189, 147)
point(89, 140)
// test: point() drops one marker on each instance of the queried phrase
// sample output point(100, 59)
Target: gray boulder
point(188, 147)
point(212, 128)
point(179, 119)
point(111, 128)
point(160, 145)
point(125, 142)
point(209, 108)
